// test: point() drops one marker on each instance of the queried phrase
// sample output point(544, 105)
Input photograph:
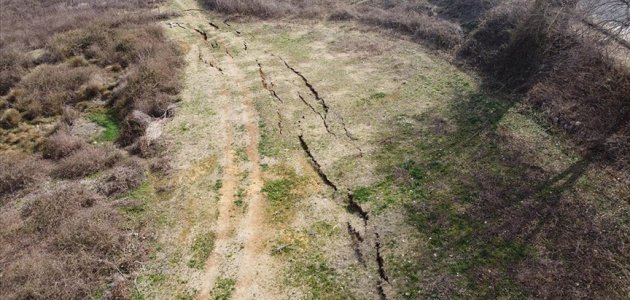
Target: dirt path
point(236, 76)
point(239, 228)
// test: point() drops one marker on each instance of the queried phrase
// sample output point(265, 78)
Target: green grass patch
point(379, 95)
point(223, 289)
point(319, 279)
point(279, 191)
point(202, 247)
point(111, 125)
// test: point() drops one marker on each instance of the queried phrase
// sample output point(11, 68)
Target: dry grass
point(72, 241)
point(414, 18)
point(45, 90)
point(89, 160)
point(64, 60)
point(125, 177)
point(17, 171)
point(60, 145)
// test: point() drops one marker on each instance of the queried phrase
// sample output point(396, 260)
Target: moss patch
point(111, 125)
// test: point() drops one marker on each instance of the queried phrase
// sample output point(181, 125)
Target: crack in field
point(279, 121)
point(207, 62)
point(357, 239)
point(315, 164)
point(240, 240)
point(268, 85)
point(309, 86)
point(316, 112)
point(203, 34)
point(355, 208)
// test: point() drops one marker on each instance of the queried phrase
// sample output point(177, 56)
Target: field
point(310, 150)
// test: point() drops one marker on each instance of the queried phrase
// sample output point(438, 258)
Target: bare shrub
point(437, 32)
point(17, 171)
point(74, 259)
point(10, 118)
point(408, 17)
point(124, 178)
point(60, 145)
point(585, 94)
point(493, 34)
point(47, 89)
point(13, 64)
point(49, 209)
point(87, 161)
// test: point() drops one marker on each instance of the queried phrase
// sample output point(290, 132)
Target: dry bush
point(124, 177)
point(494, 33)
point(466, 12)
point(48, 210)
point(89, 160)
point(48, 88)
point(80, 244)
point(76, 41)
point(259, 8)
point(60, 145)
point(437, 32)
point(531, 49)
point(152, 86)
point(408, 17)
point(13, 65)
point(585, 94)
point(17, 171)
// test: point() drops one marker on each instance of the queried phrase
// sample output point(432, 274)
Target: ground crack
point(268, 85)
point(203, 34)
point(315, 164)
point(210, 63)
point(355, 208)
point(357, 239)
point(379, 259)
point(309, 86)
point(318, 113)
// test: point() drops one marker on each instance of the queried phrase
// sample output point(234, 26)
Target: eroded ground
point(324, 161)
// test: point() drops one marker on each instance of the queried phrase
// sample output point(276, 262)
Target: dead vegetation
point(564, 73)
point(17, 170)
point(413, 18)
point(67, 246)
point(64, 65)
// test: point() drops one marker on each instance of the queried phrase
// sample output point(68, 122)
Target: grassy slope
point(479, 179)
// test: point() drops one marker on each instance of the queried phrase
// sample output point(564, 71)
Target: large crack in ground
point(309, 86)
point(318, 113)
point(356, 239)
point(353, 207)
point(203, 34)
point(209, 63)
point(315, 164)
point(268, 85)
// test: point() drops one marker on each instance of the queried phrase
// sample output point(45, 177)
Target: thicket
point(63, 236)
